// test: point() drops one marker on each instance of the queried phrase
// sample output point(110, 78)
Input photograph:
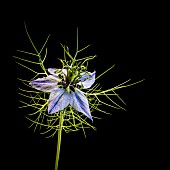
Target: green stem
point(59, 140)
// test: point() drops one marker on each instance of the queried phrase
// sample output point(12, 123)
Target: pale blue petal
point(52, 70)
point(46, 84)
point(87, 79)
point(64, 71)
point(58, 100)
point(79, 102)
point(56, 72)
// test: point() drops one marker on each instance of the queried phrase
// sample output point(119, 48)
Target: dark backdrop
point(121, 34)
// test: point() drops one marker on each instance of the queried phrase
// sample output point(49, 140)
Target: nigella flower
point(64, 86)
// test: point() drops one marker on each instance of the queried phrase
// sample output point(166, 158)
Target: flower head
point(64, 86)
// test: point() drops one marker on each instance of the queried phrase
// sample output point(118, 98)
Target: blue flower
point(64, 87)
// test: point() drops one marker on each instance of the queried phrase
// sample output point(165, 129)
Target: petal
point(52, 70)
point(56, 72)
point(58, 100)
point(64, 71)
point(46, 84)
point(79, 102)
point(87, 79)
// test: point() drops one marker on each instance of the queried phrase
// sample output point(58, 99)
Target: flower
point(64, 87)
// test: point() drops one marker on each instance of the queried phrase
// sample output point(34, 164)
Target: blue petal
point(52, 70)
point(79, 102)
point(87, 79)
point(56, 72)
point(58, 100)
point(45, 84)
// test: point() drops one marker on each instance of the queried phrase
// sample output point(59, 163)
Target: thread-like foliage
point(37, 101)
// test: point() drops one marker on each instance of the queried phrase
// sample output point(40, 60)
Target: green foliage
point(38, 101)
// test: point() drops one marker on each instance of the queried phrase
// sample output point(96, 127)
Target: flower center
point(69, 81)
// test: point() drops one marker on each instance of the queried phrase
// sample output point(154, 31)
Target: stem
point(59, 140)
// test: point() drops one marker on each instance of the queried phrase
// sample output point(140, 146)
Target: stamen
point(72, 88)
point(60, 76)
point(78, 86)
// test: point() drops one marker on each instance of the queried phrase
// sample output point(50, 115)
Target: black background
point(123, 34)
